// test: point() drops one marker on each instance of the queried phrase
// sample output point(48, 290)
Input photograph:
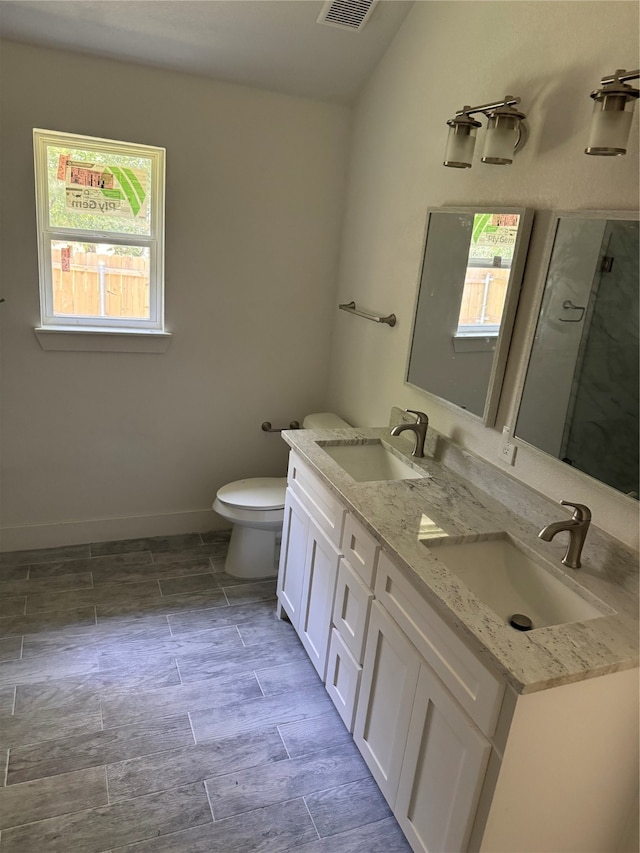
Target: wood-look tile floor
point(150, 703)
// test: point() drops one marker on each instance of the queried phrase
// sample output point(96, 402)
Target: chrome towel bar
point(390, 320)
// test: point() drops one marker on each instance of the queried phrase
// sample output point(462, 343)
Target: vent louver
point(346, 14)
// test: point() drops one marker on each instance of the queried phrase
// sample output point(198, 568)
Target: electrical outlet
point(507, 448)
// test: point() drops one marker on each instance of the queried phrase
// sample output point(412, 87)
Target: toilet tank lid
point(324, 420)
point(255, 493)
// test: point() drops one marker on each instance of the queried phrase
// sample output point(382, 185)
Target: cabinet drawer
point(360, 548)
point(326, 510)
point(343, 679)
point(477, 689)
point(351, 609)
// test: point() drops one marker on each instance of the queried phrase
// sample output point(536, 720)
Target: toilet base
point(253, 553)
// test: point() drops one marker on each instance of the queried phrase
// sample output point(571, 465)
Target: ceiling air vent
point(346, 14)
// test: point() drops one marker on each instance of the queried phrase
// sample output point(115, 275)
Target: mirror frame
point(503, 343)
point(532, 325)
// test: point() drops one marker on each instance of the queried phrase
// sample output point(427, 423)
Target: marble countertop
point(465, 497)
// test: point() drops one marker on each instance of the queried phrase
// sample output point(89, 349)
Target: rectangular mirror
point(580, 396)
point(469, 286)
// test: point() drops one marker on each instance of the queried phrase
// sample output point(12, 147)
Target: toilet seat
point(256, 493)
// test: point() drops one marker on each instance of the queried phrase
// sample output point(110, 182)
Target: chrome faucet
point(419, 429)
point(577, 526)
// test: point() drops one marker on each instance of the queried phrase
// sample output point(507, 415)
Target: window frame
point(47, 234)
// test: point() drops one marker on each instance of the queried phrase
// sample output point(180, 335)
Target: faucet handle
point(581, 513)
point(422, 418)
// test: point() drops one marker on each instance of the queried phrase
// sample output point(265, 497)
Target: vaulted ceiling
point(271, 44)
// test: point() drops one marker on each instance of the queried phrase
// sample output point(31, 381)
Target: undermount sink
point(370, 461)
point(510, 582)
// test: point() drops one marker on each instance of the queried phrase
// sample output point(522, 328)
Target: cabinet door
point(388, 685)
point(445, 760)
point(295, 531)
point(318, 588)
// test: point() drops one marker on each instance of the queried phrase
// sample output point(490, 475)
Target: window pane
point(100, 280)
point(488, 269)
point(99, 191)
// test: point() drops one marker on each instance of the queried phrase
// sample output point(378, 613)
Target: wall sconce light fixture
point(612, 114)
point(506, 134)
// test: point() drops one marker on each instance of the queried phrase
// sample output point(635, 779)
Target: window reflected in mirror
point(470, 281)
point(493, 240)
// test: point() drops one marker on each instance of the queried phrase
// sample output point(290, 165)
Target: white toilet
point(255, 507)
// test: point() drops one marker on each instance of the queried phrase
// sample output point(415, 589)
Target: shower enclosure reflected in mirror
point(580, 397)
point(469, 286)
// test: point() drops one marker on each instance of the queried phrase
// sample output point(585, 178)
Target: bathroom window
point(100, 217)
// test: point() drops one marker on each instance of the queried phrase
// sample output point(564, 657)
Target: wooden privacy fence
point(101, 285)
point(478, 291)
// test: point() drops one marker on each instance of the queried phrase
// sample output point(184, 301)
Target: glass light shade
point(460, 145)
point(610, 127)
point(500, 140)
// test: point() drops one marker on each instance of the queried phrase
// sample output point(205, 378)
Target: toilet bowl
point(255, 508)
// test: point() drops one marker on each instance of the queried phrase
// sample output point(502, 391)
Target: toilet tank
point(324, 420)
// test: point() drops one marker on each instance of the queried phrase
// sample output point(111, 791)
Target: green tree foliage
point(60, 216)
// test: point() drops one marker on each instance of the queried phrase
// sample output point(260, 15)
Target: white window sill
point(474, 343)
point(86, 339)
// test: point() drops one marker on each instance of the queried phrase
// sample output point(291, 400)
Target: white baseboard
point(31, 536)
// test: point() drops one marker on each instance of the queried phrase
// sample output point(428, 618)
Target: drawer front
point(360, 548)
point(477, 689)
point(343, 679)
point(326, 510)
point(351, 609)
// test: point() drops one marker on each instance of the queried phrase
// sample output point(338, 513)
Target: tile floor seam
point(260, 685)
point(304, 800)
point(178, 668)
point(106, 782)
point(193, 734)
point(283, 743)
point(206, 790)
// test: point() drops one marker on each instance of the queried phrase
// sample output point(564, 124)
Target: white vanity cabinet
point(445, 760)
point(309, 557)
point(423, 748)
point(466, 764)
